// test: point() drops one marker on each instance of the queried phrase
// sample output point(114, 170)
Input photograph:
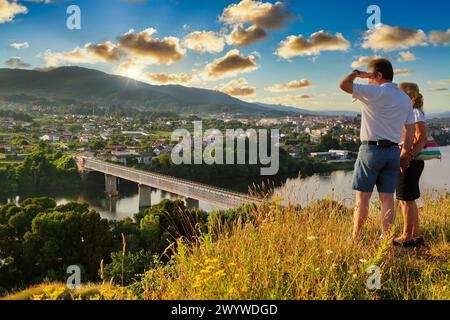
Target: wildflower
point(312, 238)
point(220, 273)
point(277, 199)
point(232, 291)
point(317, 269)
point(232, 264)
point(329, 252)
point(362, 260)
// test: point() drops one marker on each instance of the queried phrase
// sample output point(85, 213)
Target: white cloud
point(290, 86)
point(9, 9)
point(19, 45)
point(406, 56)
point(440, 37)
point(363, 61)
point(387, 38)
point(204, 41)
point(319, 41)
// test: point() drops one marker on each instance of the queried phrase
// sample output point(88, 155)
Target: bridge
point(192, 192)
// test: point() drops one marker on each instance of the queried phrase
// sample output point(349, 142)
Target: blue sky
point(424, 40)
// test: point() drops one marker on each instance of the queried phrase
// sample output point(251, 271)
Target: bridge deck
point(213, 195)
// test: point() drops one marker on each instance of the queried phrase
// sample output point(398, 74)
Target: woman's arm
point(421, 137)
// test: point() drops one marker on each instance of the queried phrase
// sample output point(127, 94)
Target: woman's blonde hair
point(413, 91)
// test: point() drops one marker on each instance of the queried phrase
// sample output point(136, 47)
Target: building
point(331, 155)
point(5, 147)
point(50, 138)
point(161, 149)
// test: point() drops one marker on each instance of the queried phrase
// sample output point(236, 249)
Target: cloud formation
point(387, 38)
point(262, 14)
point(406, 56)
point(164, 51)
point(231, 64)
point(440, 37)
point(19, 45)
point(440, 82)
point(89, 54)
point(290, 86)
point(241, 37)
point(9, 9)
point(17, 63)
point(438, 89)
point(363, 61)
point(402, 72)
point(289, 100)
point(238, 88)
point(167, 78)
point(319, 41)
point(204, 41)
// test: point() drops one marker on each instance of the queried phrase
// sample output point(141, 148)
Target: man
point(386, 111)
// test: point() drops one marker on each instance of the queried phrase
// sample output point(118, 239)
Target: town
point(131, 141)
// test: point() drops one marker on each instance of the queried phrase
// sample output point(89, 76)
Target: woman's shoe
point(420, 241)
point(406, 244)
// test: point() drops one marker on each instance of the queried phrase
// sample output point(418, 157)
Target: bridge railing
point(151, 178)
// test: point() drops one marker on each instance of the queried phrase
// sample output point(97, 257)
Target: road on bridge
point(192, 190)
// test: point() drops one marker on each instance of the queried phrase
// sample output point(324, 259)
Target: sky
point(290, 52)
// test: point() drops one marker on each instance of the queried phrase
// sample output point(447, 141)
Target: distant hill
point(72, 85)
point(437, 115)
point(307, 112)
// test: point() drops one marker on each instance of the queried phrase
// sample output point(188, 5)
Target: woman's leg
point(415, 221)
point(408, 212)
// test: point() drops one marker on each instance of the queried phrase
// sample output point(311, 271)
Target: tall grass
point(292, 253)
point(276, 252)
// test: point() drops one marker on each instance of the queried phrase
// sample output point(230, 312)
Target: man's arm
point(406, 155)
point(347, 84)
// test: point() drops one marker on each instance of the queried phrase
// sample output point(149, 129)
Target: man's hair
point(383, 66)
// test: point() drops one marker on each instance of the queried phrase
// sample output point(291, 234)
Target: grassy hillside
point(290, 253)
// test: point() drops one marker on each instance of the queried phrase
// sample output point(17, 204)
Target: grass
point(307, 254)
point(294, 253)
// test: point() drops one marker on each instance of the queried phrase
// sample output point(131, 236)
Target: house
point(161, 149)
point(331, 155)
point(50, 138)
point(5, 147)
point(122, 156)
point(144, 158)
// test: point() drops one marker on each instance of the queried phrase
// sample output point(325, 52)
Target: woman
point(408, 183)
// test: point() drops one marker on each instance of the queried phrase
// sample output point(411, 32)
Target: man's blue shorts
point(376, 166)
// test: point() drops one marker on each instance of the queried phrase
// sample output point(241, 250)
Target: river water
point(337, 185)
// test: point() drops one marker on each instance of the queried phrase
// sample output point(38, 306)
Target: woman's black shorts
point(408, 181)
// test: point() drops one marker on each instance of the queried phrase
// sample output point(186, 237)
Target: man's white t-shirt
point(386, 110)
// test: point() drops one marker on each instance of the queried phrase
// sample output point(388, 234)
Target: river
point(337, 185)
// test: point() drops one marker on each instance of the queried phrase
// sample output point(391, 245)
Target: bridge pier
point(192, 203)
point(145, 196)
point(111, 186)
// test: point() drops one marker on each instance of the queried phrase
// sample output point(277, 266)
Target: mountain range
point(77, 85)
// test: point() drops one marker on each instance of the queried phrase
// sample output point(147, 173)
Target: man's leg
point(361, 212)
point(387, 211)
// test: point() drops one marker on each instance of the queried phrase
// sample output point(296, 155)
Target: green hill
point(76, 85)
